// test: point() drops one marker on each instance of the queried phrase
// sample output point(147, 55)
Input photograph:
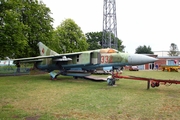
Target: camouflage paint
point(45, 51)
point(100, 56)
point(84, 58)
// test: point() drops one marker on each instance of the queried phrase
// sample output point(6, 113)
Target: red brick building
point(168, 60)
point(162, 60)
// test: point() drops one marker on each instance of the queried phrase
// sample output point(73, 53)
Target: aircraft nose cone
point(138, 59)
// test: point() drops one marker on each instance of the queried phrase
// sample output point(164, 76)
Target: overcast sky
point(154, 23)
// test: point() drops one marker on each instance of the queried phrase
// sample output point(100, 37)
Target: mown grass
point(38, 98)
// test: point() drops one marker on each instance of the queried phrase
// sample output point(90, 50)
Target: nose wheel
point(111, 81)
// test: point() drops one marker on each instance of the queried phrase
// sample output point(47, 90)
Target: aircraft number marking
point(106, 59)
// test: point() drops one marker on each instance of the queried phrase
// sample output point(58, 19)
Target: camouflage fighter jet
point(80, 64)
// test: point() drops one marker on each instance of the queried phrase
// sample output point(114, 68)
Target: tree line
point(173, 51)
point(24, 23)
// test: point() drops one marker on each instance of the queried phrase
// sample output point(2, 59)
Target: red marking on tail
point(43, 50)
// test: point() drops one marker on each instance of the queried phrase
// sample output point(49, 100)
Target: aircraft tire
point(113, 82)
point(110, 82)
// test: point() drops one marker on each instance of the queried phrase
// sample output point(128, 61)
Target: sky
point(154, 23)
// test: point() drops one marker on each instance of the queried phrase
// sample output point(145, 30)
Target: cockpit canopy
point(108, 50)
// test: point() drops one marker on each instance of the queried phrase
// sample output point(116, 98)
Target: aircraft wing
point(57, 57)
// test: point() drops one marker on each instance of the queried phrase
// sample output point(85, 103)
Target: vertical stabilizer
point(44, 50)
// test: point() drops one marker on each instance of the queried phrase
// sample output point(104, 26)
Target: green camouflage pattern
point(100, 56)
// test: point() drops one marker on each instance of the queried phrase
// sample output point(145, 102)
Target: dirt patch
point(16, 116)
point(33, 118)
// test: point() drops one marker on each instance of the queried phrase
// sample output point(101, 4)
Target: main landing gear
point(111, 80)
point(53, 75)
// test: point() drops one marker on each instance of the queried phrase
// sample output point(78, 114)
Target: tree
point(144, 50)
point(120, 46)
point(36, 16)
point(94, 40)
point(22, 25)
point(12, 39)
point(173, 50)
point(68, 37)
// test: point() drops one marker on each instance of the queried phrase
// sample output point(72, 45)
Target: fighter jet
point(80, 64)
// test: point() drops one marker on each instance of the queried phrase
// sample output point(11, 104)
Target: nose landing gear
point(111, 81)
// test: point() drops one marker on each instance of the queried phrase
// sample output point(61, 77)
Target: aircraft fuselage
point(94, 59)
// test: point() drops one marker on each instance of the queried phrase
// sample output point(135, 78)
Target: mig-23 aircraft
point(79, 64)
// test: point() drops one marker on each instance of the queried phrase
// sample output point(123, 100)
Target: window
point(171, 62)
point(77, 58)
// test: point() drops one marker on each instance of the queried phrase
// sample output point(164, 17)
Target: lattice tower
point(109, 24)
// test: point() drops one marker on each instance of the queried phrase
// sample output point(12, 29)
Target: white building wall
point(161, 53)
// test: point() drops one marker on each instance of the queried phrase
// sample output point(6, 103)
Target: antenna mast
point(109, 25)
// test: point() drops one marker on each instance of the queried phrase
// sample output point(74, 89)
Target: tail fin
point(44, 50)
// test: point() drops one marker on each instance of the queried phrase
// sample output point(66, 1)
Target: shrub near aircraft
point(80, 64)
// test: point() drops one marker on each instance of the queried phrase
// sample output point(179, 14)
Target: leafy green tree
point(12, 40)
point(173, 50)
point(94, 40)
point(22, 25)
point(144, 50)
point(36, 16)
point(120, 46)
point(68, 37)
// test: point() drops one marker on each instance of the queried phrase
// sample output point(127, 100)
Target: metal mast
point(109, 25)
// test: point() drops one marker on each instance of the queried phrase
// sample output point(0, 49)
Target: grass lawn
point(35, 97)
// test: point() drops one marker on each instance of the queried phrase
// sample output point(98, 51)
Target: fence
point(14, 71)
